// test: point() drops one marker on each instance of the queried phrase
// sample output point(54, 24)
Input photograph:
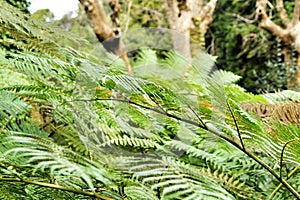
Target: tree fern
point(112, 136)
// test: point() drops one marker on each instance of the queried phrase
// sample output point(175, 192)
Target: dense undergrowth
point(76, 126)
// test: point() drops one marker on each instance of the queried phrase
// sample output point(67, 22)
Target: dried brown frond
point(287, 112)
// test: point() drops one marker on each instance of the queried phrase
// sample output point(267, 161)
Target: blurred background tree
point(44, 15)
point(245, 49)
point(285, 26)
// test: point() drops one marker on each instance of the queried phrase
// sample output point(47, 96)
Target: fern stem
point(267, 167)
point(212, 131)
point(281, 157)
point(54, 186)
point(236, 125)
point(288, 176)
point(198, 117)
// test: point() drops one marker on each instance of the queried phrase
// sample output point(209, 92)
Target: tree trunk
point(288, 61)
point(110, 37)
point(181, 15)
point(180, 20)
point(297, 73)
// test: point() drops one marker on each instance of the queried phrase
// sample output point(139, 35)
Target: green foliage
point(20, 4)
point(77, 127)
point(11, 106)
point(143, 13)
point(43, 15)
point(282, 96)
point(245, 49)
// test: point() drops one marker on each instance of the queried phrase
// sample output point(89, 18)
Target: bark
point(206, 15)
point(289, 34)
point(282, 12)
point(296, 14)
point(297, 73)
point(108, 35)
point(180, 19)
point(180, 14)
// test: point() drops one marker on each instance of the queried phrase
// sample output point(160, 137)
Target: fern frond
point(11, 105)
point(226, 77)
point(287, 112)
point(229, 182)
point(175, 180)
point(282, 96)
point(22, 28)
point(48, 155)
point(141, 192)
point(211, 158)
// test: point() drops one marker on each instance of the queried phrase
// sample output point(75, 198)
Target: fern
point(140, 192)
point(107, 135)
point(176, 180)
point(11, 106)
point(282, 96)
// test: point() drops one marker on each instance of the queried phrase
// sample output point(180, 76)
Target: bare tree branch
point(109, 37)
point(206, 15)
point(266, 23)
point(282, 13)
point(289, 35)
point(296, 15)
point(115, 7)
point(179, 15)
point(182, 15)
point(98, 18)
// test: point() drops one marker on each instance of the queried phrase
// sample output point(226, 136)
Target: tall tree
point(108, 35)
point(183, 15)
point(288, 32)
point(244, 48)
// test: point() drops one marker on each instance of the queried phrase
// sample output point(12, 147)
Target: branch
point(179, 15)
point(95, 11)
point(296, 14)
point(115, 16)
point(206, 15)
point(243, 19)
point(172, 12)
point(109, 37)
point(282, 13)
point(266, 23)
point(55, 186)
